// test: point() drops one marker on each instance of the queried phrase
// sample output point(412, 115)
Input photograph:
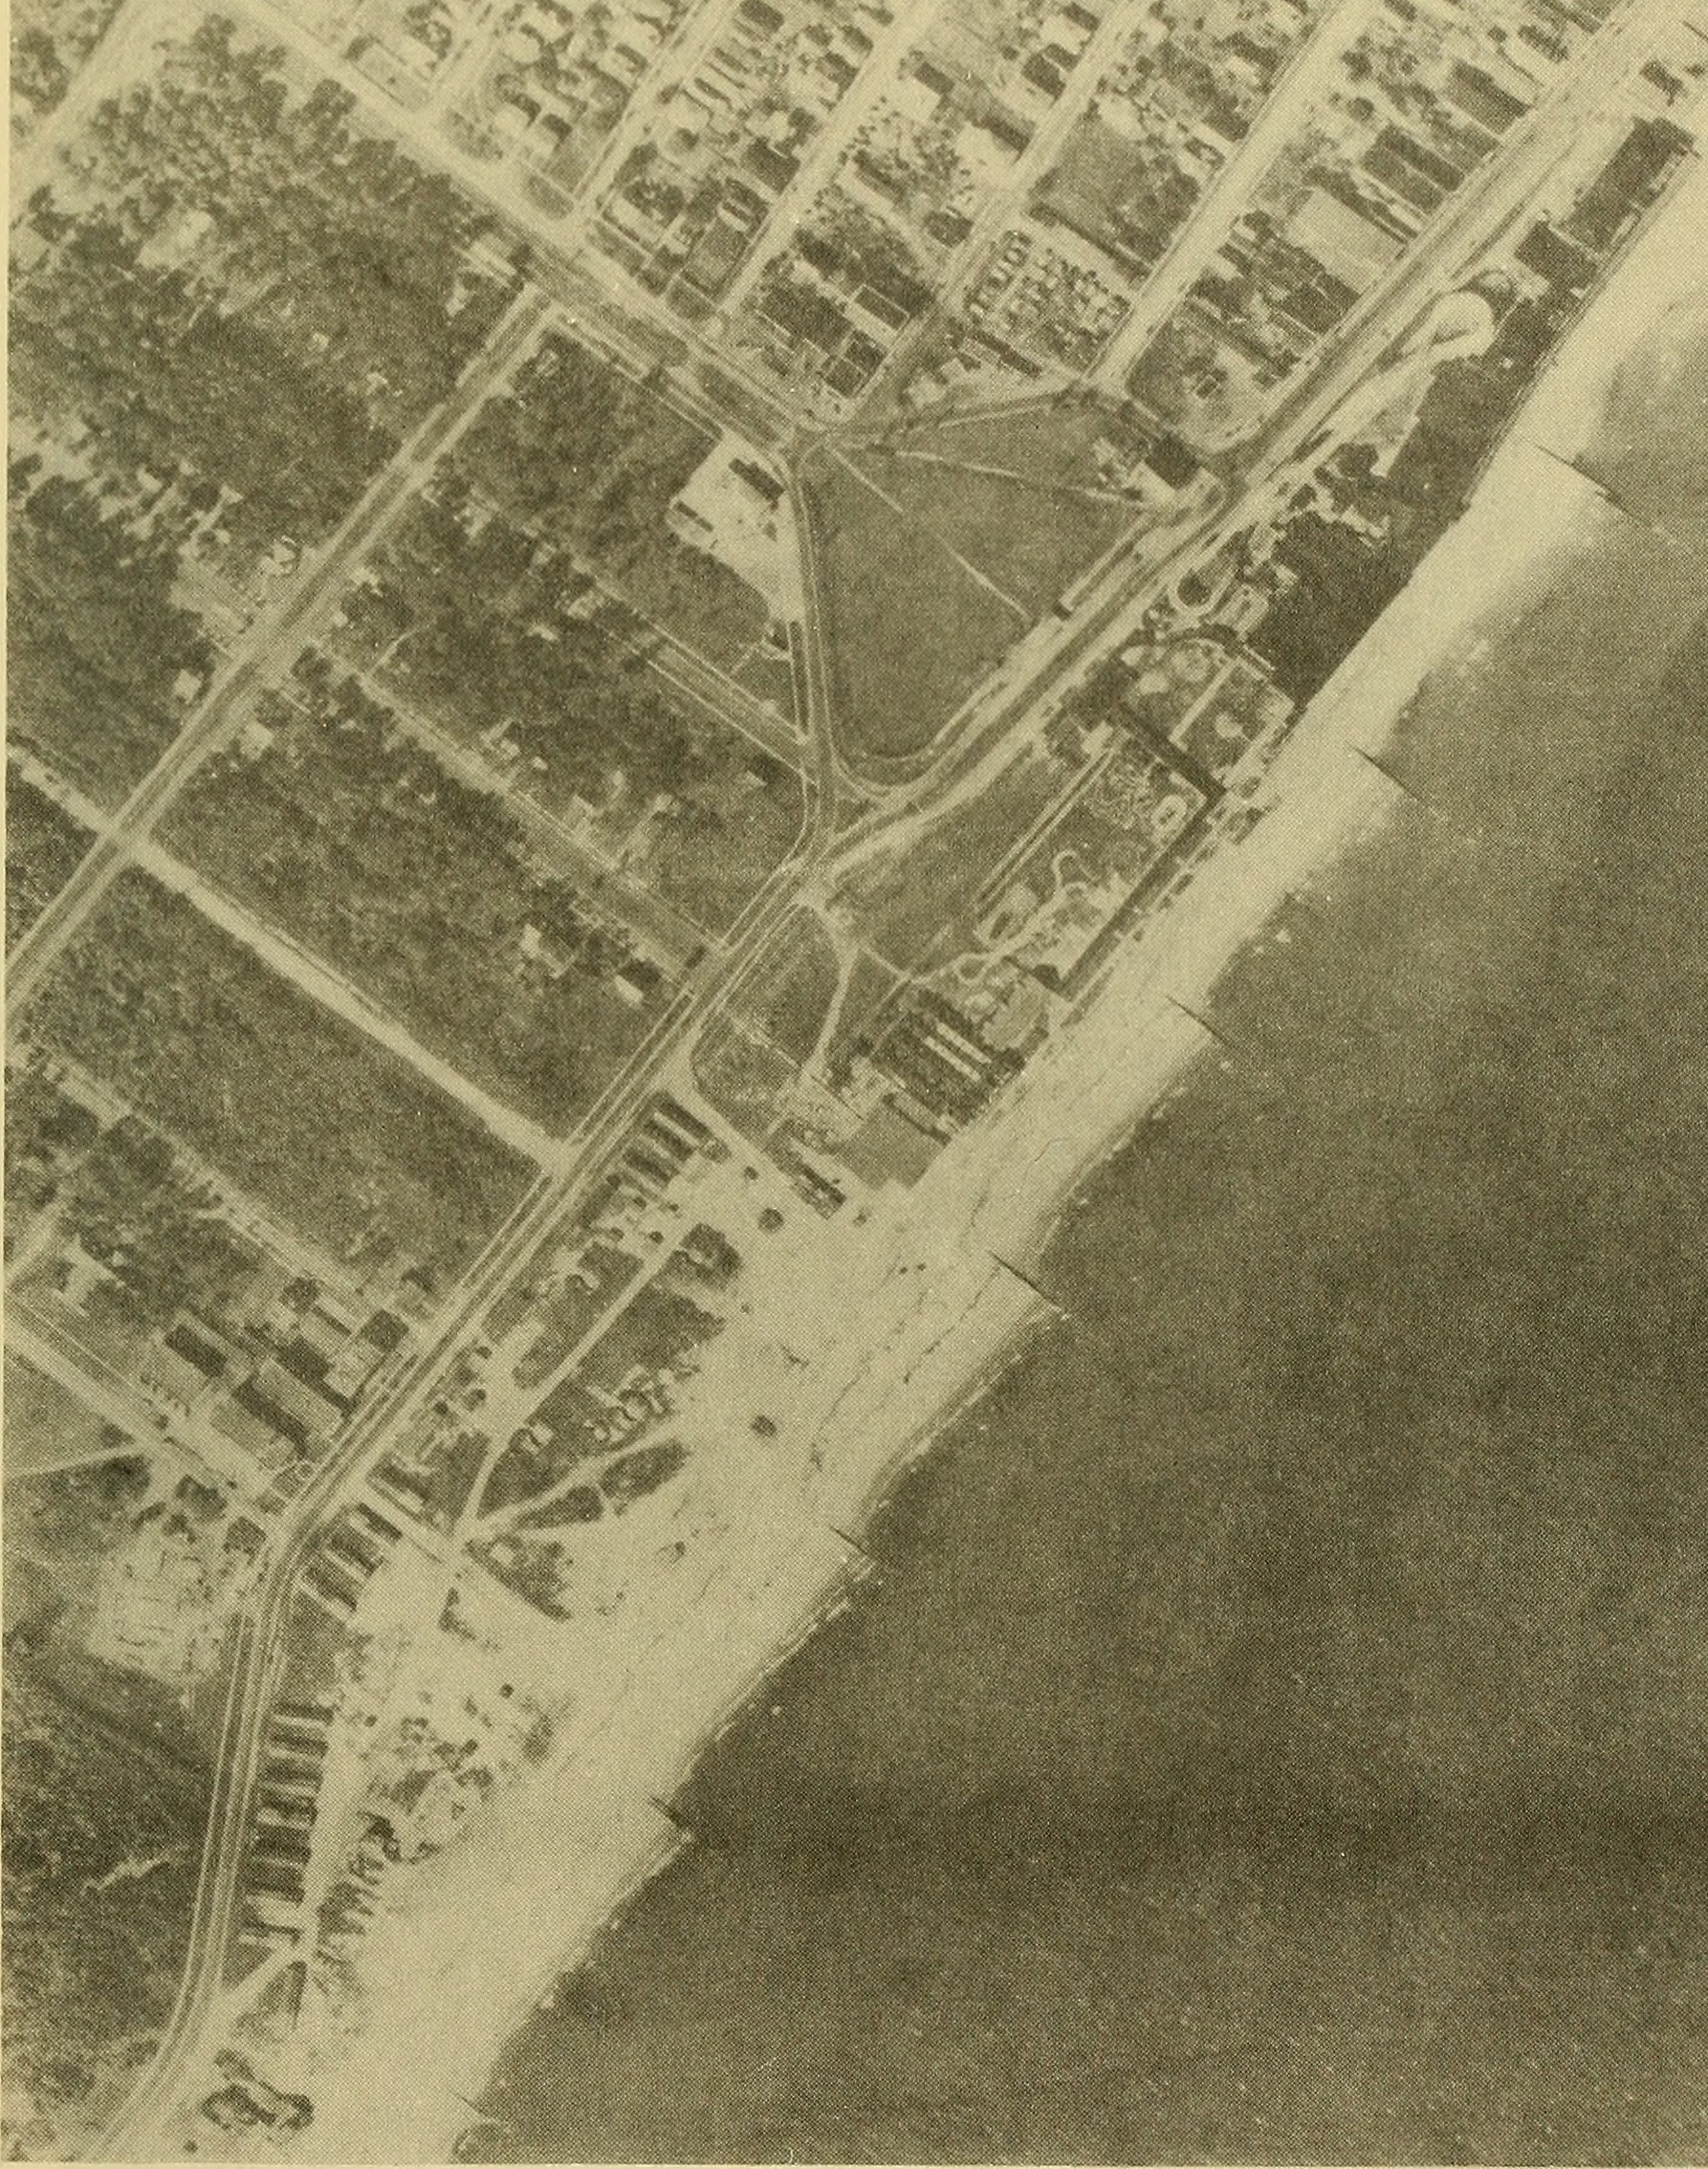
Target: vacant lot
point(909, 632)
point(44, 847)
point(1128, 197)
point(1027, 539)
point(335, 1135)
point(358, 845)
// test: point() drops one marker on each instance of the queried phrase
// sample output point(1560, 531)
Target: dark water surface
point(1282, 1731)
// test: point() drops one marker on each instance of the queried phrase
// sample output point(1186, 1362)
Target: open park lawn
point(1054, 442)
point(1027, 539)
point(908, 630)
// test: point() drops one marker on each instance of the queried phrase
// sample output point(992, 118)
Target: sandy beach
point(906, 1315)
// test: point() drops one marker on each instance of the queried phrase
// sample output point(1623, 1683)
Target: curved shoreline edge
point(1083, 1102)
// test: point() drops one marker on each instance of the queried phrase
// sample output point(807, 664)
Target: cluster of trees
point(44, 847)
point(123, 1194)
point(580, 1503)
point(162, 1234)
point(168, 381)
point(717, 848)
point(632, 1476)
point(304, 1111)
point(93, 1953)
point(263, 298)
point(851, 247)
point(40, 76)
point(355, 839)
point(659, 1329)
point(583, 450)
point(585, 455)
point(95, 641)
point(50, 41)
point(495, 628)
point(336, 234)
point(47, 1133)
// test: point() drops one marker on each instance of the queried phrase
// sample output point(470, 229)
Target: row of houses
point(660, 1147)
point(350, 1552)
point(281, 1844)
point(278, 1384)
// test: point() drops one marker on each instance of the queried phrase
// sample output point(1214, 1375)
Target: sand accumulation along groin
point(915, 1312)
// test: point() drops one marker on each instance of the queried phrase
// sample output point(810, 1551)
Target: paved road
point(259, 1646)
point(1507, 177)
point(562, 236)
point(984, 734)
point(119, 54)
point(981, 740)
point(1299, 86)
point(279, 636)
point(561, 846)
point(857, 105)
point(332, 992)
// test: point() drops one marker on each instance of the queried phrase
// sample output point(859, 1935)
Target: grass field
point(909, 632)
point(797, 987)
point(911, 906)
point(1027, 539)
point(1052, 443)
point(44, 1423)
point(331, 1131)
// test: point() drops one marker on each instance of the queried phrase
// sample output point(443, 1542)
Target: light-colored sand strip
point(913, 1312)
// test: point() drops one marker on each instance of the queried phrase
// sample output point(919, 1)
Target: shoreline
point(1063, 1120)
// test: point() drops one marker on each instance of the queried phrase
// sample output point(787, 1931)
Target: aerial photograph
point(857, 1081)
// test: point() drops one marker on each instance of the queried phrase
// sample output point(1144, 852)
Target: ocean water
point(1281, 1729)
